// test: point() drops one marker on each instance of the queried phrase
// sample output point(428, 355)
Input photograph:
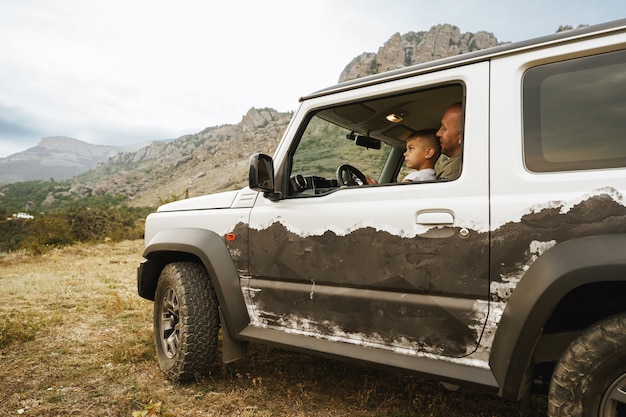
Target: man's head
point(422, 149)
point(450, 132)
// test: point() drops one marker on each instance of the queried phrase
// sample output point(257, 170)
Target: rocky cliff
point(412, 48)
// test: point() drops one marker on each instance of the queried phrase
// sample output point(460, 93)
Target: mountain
point(216, 159)
point(56, 157)
point(412, 48)
point(212, 160)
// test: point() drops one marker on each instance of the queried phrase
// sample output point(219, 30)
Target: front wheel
point(590, 378)
point(186, 321)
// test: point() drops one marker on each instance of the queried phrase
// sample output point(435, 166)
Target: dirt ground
point(76, 340)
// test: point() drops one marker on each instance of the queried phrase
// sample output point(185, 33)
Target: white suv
point(510, 276)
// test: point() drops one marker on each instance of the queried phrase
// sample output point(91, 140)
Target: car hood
point(205, 202)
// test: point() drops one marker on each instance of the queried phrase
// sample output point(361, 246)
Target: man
point(449, 135)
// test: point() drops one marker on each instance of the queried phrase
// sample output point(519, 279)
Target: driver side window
point(325, 146)
point(370, 139)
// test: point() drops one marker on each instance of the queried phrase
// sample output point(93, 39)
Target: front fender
point(207, 246)
point(558, 271)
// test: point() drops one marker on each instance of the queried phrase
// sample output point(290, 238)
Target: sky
point(120, 72)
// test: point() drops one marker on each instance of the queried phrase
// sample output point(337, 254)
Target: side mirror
point(261, 174)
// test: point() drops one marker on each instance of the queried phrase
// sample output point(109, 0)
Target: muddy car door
point(394, 266)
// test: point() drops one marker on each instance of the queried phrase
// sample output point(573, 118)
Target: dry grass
point(76, 340)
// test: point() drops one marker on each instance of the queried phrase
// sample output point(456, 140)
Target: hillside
point(212, 160)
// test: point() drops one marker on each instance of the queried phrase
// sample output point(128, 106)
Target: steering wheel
point(349, 175)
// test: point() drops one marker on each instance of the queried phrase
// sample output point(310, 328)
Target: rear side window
point(575, 114)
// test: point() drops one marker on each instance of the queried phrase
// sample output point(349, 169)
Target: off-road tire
point(590, 378)
point(186, 321)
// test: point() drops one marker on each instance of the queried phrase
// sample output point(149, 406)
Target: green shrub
point(78, 223)
point(51, 230)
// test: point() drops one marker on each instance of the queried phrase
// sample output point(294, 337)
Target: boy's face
point(416, 154)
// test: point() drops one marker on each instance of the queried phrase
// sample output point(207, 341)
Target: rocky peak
point(62, 143)
point(256, 118)
point(412, 48)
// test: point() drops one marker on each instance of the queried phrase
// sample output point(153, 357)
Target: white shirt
point(421, 175)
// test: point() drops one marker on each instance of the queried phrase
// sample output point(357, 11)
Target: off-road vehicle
point(510, 276)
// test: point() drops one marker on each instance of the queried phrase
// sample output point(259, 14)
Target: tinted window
point(575, 114)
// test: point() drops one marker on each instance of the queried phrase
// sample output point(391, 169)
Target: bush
point(46, 231)
point(115, 223)
point(12, 232)
point(77, 223)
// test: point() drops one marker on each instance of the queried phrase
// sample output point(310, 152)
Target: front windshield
point(325, 146)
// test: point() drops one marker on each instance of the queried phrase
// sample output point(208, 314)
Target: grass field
point(76, 340)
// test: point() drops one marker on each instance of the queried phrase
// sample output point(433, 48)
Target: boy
point(422, 151)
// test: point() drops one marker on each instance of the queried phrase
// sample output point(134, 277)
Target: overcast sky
point(118, 72)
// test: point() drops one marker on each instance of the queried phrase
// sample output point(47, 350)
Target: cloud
point(17, 132)
point(10, 128)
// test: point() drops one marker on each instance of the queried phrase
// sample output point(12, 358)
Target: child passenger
point(422, 151)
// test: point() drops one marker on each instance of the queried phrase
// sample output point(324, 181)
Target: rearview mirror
point(365, 141)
